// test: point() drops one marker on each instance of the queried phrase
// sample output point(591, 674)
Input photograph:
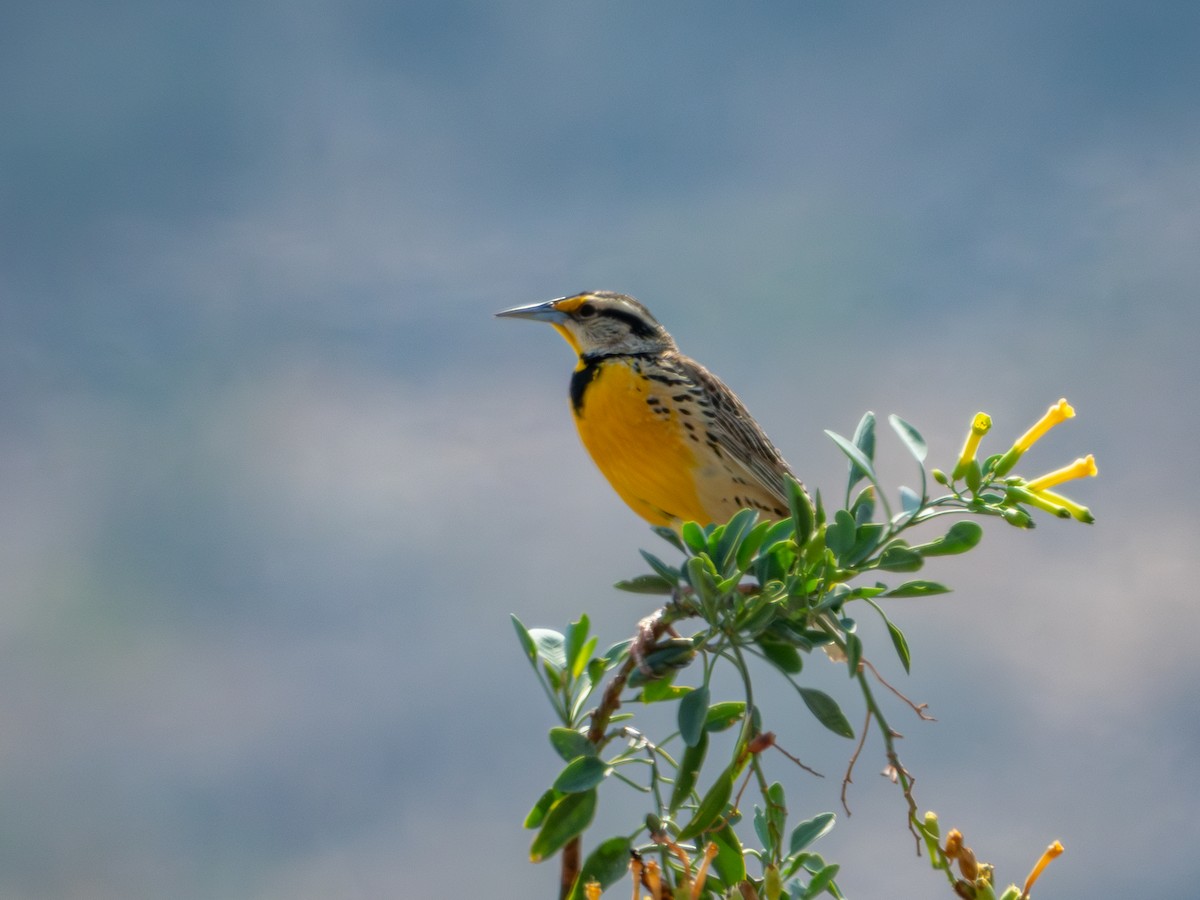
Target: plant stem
point(570, 867)
point(609, 704)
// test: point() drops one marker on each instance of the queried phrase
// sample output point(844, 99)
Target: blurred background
point(272, 478)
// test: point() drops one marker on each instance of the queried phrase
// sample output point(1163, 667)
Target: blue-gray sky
point(272, 478)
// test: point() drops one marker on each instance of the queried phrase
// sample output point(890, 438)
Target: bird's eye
point(587, 310)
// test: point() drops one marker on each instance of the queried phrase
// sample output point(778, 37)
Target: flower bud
point(1077, 511)
point(772, 883)
point(1018, 494)
point(967, 864)
point(954, 843)
point(1016, 516)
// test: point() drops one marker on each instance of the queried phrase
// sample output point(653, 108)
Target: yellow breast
point(638, 438)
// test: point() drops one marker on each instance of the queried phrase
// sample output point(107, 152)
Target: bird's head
point(600, 323)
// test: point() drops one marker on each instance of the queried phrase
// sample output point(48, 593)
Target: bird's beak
point(540, 312)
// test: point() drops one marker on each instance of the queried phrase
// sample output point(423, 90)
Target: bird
point(674, 442)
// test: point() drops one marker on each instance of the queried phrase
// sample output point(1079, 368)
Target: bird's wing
point(744, 441)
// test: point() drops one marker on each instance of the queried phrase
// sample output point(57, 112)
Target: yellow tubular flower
point(1053, 851)
point(1059, 412)
point(1083, 467)
point(979, 427)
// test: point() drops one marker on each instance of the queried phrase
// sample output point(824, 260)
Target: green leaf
point(801, 509)
point(616, 653)
point(688, 772)
point(918, 589)
point(596, 668)
point(583, 656)
point(550, 647)
point(811, 863)
point(567, 817)
point(834, 598)
point(961, 537)
point(693, 711)
point(582, 774)
point(854, 650)
point(864, 434)
point(782, 655)
point(864, 442)
point(646, 584)
point(730, 861)
point(756, 614)
point(701, 578)
point(910, 500)
point(863, 507)
point(815, 637)
point(731, 538)
point(573, 641)
point(860, 466)
point(911, 438)
point(866, 592)
point(821, 881)
point(668, 573)
point(694, 537)
point(810, 830)
point(537, 815)
point(897, 636)
point(866, 539)
point(526, 640)
point(724, 715)
point(783, 530)
point(776, 814)
point(839, 537)
point(711, 807)
point(826, 710)
point(899, 558)
point(662, 689)
point(569, 743)
point(760, 828)
point(726, 585)
point(670, 536)
point(899, 642)
point(607, 864)
point(773, 563)
point(749, 546)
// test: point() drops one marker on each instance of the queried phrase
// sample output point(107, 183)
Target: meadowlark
point(674, 442)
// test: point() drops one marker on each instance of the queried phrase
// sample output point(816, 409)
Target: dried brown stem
point(846, 780)
point(918, 708)
point(809, 769)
